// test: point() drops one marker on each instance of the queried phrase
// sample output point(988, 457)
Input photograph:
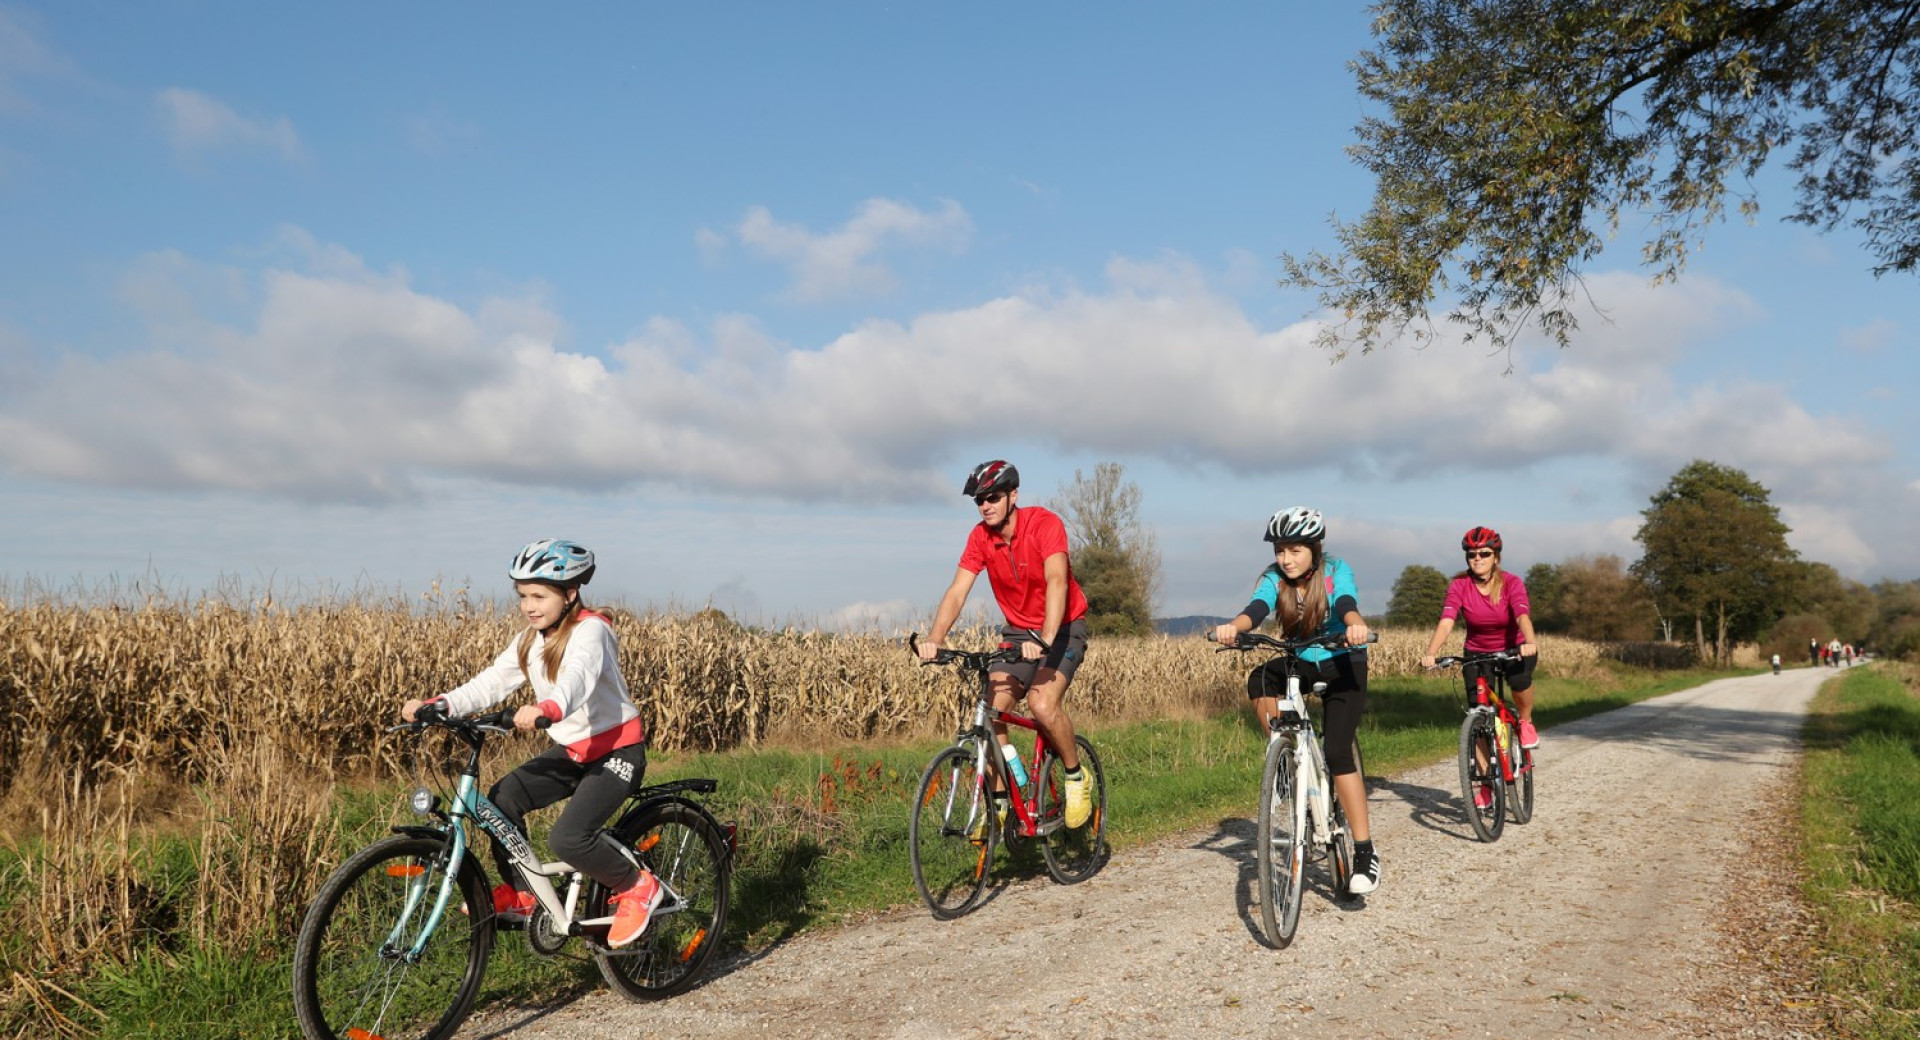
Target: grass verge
point(1861, 844)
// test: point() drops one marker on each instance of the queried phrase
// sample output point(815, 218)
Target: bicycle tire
point(349, 980)
point(1476, 735)
point(688, 854)
point(1280, 843)
point(1073, 854)
point(950, 863)
point(1520, 793)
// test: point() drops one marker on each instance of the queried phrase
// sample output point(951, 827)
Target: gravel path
point(1605, 917)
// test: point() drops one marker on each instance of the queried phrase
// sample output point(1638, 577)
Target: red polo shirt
point(1017, 569)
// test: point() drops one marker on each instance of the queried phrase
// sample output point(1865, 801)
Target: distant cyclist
point(1493, 604)
point(1309, 593)
point(1024, 552)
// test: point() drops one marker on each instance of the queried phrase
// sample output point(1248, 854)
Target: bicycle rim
point(951, 834)
point(688, 854)
point(354, 972)
point(1280, 844)
point(1477, 746)
point(1073, 854)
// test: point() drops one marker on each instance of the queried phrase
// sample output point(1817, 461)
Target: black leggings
point(1345, 697)
point(598, 787)
point(1519, 673)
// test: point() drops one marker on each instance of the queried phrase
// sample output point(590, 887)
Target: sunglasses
point(1481, 554)
point(991, 498)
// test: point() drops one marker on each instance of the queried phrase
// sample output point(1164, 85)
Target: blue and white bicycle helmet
point(1296, 526)
point(553, 561)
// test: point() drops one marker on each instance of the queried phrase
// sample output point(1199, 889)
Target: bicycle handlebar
point(972, 660)
point(497, 721)
point(1476, 656)
point(1252, 640)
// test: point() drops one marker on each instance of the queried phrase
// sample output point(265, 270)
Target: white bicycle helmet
point(554, 561)
point(1295, 526)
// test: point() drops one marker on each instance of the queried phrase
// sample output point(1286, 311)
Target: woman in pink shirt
point(1493, 604)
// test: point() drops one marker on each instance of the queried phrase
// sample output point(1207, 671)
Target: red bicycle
point(954, 830)
point(1496, 773)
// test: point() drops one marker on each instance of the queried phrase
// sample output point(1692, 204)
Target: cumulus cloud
point(315, 378)
point(196, 124)
point(847, 262)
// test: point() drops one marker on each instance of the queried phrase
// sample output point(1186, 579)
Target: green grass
point(823, 839)
point(1861, 843)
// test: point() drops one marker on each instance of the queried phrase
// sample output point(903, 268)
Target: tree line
point(1715, 570)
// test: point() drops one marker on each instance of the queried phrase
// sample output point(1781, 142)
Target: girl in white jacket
point(569, 655)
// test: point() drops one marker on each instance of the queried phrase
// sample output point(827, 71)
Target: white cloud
point(1871, 338)
point(845, 263)
point(317, 379)
point(197, 123)
point(24, 57)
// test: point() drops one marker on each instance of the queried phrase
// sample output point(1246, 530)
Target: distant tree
point(1543, 598)
point(1418, 594)
point(1847, 606)
point(1600, 600)
point(1896, 626)
point(1715, 552)
point(1115, 557)
point(1515, 137)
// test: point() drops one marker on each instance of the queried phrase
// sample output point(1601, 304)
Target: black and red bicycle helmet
point(1480, 538)
point(988, 477)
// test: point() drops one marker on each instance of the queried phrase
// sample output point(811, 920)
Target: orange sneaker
point(512, 906)
point(634, 906)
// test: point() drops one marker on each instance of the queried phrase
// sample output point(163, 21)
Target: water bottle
point(1019, 768)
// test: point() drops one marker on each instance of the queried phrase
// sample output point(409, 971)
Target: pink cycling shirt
point(1491, 627)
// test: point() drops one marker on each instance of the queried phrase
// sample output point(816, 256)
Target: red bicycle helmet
point(988, 477)
point(1480, 538)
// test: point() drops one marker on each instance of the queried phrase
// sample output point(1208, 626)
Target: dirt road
point(1596, 920)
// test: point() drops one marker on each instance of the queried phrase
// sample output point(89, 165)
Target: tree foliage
point(1517, 134)
point(1418, 594)
point(1543, 598)
point(1599, 599)
point(1896, 627)
point(1716, 553)
point(1115, 557)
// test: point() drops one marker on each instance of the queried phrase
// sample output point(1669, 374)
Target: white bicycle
point(1299, 814)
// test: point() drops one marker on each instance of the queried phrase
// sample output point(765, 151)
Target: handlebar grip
point(430, 712)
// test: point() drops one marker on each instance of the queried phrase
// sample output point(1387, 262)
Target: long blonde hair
point(556, 646)
point(1305, 617)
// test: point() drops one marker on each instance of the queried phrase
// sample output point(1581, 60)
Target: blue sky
point(361, 297)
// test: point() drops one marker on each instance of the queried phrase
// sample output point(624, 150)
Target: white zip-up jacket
point(592, 711)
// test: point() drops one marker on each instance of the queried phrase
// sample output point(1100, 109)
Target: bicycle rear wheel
point(354, 972)
point(952, 833)
point(1074, 854)
point(1520, 793)
point(1477, 747)
point(687, 853)
point(1280, 843)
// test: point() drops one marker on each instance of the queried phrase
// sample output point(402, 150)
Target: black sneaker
point(1366, 872)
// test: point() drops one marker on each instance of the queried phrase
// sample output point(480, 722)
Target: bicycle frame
point(470, 808)
point(1498, 705)
point(1309, 761)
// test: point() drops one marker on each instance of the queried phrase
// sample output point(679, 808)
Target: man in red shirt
point(1024, 552)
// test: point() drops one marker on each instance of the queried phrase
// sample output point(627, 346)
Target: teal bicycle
point(396, 943)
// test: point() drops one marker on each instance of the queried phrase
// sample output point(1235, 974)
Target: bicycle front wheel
point(952, 833)
point(369, 961)
point(1074, 854)
point(1520, 794)
point(1281, 843)
point(687, 853)
point(1480, 779)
